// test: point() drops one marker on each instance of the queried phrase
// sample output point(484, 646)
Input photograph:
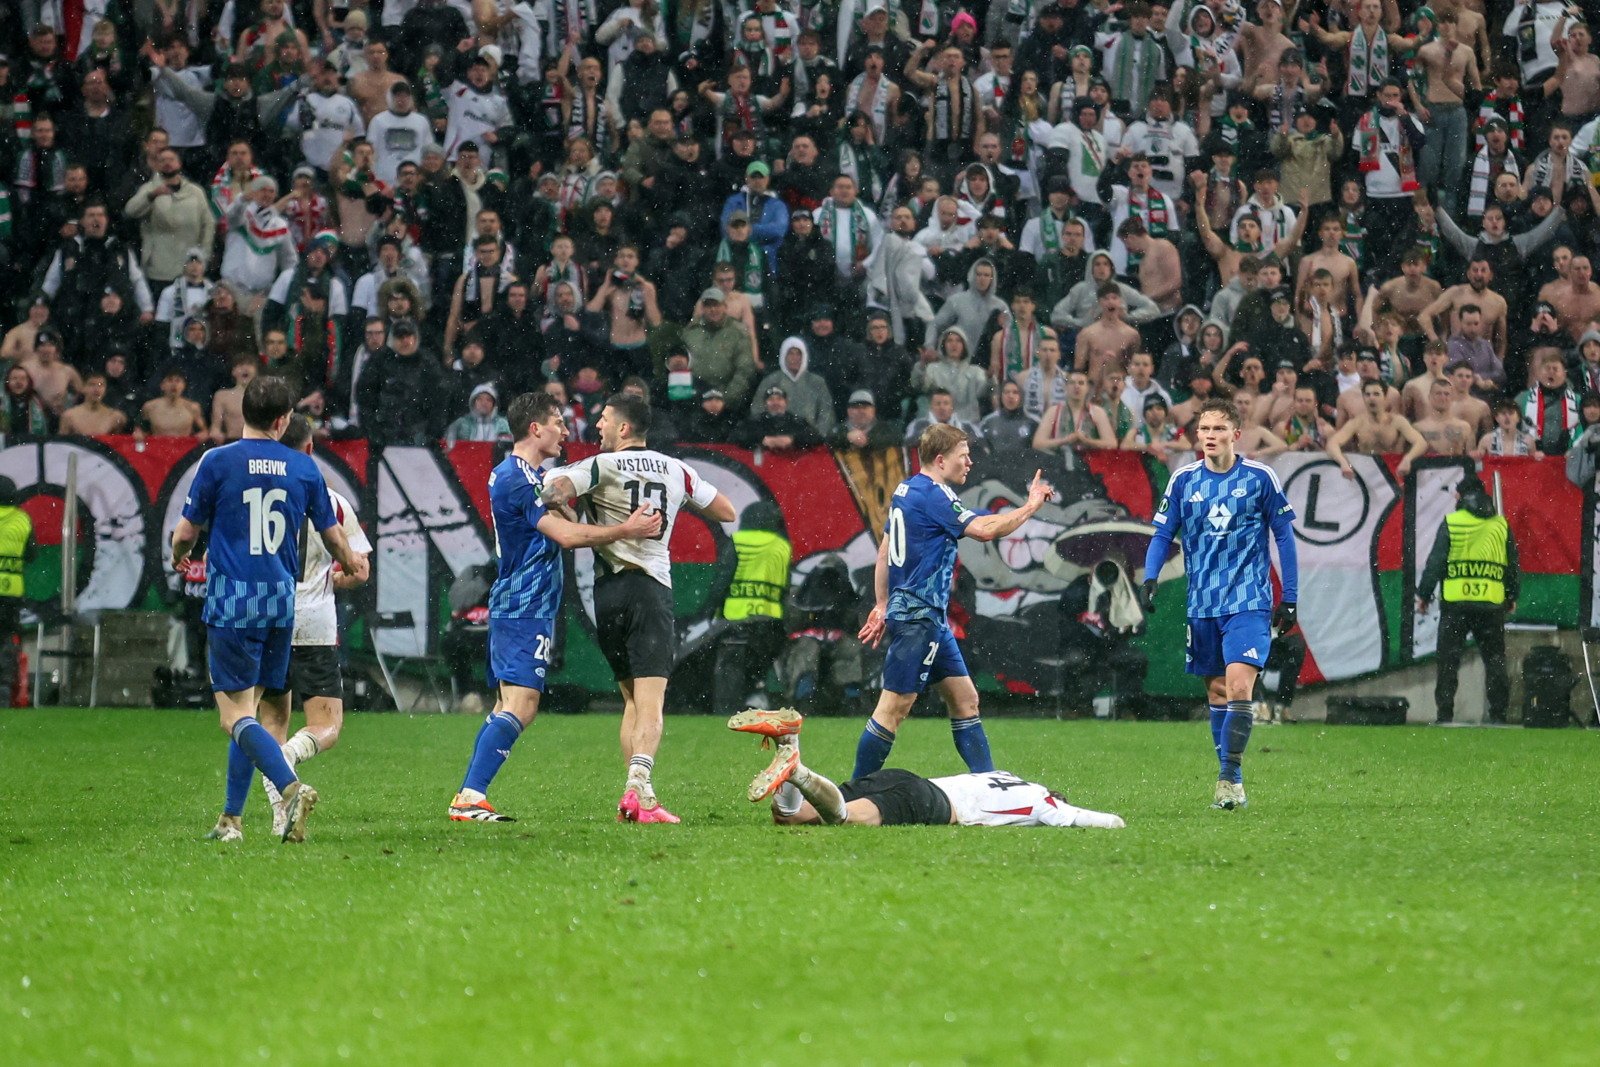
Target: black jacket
point(442, 207)
point(402, 398)
point(751, 433)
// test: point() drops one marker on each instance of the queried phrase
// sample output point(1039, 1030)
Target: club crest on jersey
point(1239, 492)
point(1219, 516)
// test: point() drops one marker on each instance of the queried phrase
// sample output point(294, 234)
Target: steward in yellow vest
point(753, 606)
point(1474, 562)
point(16, 548)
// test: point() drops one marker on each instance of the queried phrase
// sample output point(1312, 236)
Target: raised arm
point(994, 527)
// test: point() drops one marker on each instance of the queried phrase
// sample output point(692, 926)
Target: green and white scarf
point(751, 273)
point(860, 229)
point(1368, 61)
point(1122, 84)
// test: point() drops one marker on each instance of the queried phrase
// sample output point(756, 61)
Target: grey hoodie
point(968, 384)
point(809, 396)
point(1226, 303)
point(1081, 305)
point(969, 309)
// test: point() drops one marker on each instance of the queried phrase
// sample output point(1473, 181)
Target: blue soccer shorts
point(921, 653)
point(520, 651)
point(242, 659)
point(1243, 637)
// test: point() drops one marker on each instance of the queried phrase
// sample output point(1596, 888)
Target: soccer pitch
point(1392, 896)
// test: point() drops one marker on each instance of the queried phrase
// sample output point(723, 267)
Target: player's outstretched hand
point(1039, 490)
point(1286, 617)
point(644, 522)
point(871, 632)
point(1147, 596)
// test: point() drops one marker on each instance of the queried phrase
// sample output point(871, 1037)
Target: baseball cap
point(739, 216)
point(713, 295)
point(1155, 400)
point(304, 171)
point(713, 394)
point(194, 252)
point(400, 87)
point(758, 167)
point(1285, 364)
point(776, 390)
point(403, 328)
point(1059, 184)
point(1367, 355)
point(466, 146)
point(862, 397)
point(492, 53)
point(1281, 295)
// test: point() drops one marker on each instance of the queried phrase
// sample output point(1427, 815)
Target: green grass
point(1392, 897)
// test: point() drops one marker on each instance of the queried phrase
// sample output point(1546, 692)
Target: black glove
point(1286, 617)
point(1147, 597)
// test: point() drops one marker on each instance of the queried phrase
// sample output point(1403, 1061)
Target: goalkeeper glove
point(1286, 617)
point(1147, 599)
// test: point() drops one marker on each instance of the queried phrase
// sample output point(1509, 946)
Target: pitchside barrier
point(1361, 542)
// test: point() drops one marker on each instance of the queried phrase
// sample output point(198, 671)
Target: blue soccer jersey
point(925, 522)
point(254, 497)
point(528, 585)
point(1224, 521)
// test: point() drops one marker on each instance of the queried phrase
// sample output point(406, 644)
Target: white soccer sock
point(301, 747)
point(639, 768)
point(788, 799)
point(822, 793)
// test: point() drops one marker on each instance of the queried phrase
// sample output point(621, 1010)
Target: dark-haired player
point(894, 797)
point(633, 614)
point(1224, 505)
point(314, 654)
point(254, 496)
point(916, 560)
point(526, 596)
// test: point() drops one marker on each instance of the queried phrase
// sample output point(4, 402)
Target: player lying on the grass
point(894, 797)
point(251, 496)
point(1224, 506)
point(633, 613)
point(526, 596)
point(314, 655)
point(916, 558)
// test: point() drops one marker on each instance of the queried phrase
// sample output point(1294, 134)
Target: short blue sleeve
point(200, 504)
point(526, 495)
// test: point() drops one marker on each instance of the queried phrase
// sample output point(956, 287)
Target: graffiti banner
point(426, 510)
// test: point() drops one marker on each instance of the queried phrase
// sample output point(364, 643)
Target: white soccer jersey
point(612, 485)
point(1000, 798)
point(315, 622)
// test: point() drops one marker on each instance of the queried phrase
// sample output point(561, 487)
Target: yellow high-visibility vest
point(761, 576)
point(1475, 572)
point(15, 529)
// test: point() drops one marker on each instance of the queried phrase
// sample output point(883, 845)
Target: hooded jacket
point(967, 383)
point(721, 356)
point(809, 396)
point(1081, 305)
point(970, 309)
point(475, 427)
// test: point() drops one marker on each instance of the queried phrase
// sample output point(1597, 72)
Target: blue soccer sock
point(1219, 715)
point(490, 751)
point(264, 751)
point(972, 743)
point(1235, 736)
point(873, 749)
point(240, 771)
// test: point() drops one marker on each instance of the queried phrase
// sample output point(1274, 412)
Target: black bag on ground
point(1547, 681)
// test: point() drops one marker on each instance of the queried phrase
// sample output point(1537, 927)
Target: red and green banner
point(1360, 541)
